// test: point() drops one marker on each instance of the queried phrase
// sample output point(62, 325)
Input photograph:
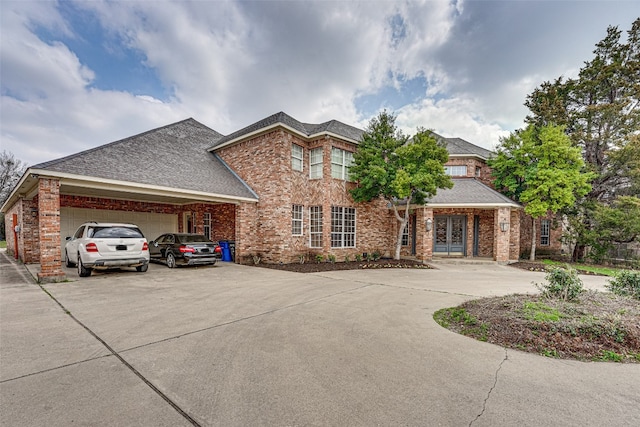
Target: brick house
point(278, 188)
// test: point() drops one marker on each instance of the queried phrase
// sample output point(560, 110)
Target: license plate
point(121, 248)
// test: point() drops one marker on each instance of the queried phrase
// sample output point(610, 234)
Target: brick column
point(49, 230)
point(424, 238)
point(502, 238)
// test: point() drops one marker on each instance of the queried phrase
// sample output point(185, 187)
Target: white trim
point(95, 183)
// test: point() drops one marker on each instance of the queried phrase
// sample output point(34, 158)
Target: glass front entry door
point(450, 235)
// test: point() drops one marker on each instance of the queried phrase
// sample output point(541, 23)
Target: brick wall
point(472, 164)
point(265, 229)
point(223, 216)
point(555, 245)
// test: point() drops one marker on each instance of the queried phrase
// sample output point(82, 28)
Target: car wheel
point(171, 260)
point(82, 270)
point(67, 261)
point(142, 268)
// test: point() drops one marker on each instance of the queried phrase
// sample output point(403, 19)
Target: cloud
point(462, 68)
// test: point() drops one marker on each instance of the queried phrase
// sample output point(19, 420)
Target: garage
point(151, 224)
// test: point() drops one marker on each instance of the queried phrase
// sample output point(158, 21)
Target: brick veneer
point(49, 230)
point(264, 229)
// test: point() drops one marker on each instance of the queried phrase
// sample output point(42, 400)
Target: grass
point(3, 244)
point(604, 271)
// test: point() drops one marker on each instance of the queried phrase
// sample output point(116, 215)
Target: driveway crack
point(125, 363)
point(495, 382)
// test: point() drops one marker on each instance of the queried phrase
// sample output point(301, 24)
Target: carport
point(139, 180)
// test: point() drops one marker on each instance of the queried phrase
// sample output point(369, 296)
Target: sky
point(78, 74)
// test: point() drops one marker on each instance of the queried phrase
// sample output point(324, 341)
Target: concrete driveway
point(232, 345)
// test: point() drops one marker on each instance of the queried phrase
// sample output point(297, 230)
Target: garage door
point(151, 224)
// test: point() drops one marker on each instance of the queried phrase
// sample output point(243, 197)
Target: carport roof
point(173, 156)
point(469, 192)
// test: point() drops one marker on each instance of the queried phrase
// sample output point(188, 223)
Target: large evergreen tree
point(601, 111)
point(401, 170)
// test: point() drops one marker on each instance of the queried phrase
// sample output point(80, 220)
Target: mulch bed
point(313, 267)
point(597, 327)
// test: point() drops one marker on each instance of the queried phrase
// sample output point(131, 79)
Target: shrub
point(319, 258)
point(563, 284)
point(625, 283)
point(331, 258)
point(358, 257)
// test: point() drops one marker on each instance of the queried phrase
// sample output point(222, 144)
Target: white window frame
point(343, 227)
point(405, 235)
point(206, 224)
point(545, 232)
point(297, 156)
point(456, 170)
point(297, 220)
point(315, 163)
point(315, 226)
point(341, 160)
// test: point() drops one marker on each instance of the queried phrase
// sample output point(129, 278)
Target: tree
point(398, 169)
point(601, 111)
point(615, 223)
point(540, 168)
point(11, 170)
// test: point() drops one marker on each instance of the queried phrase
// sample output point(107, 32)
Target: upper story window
point(296, 157)
point(545, 232)
point(315, 163)
point(340, 162)
point(296, 220)
point(478, 171)
point(455, 170)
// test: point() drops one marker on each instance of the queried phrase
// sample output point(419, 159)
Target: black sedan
point(184, 249)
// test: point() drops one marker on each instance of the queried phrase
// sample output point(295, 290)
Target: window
point(405, 235)
point(206, 221)
point(340, 162)
point(343, 227)
point(315, 226)
point(296, 157)
point(478, 171)
point(544, 232)
point(315, 163)
point(296, 220)
point(455, 170)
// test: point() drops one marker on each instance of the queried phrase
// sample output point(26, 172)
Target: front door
point(450, 235)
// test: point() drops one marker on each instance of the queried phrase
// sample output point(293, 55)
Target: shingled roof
point(461, 147)
point(469, 191)
point(305, 129)
point(173, 156)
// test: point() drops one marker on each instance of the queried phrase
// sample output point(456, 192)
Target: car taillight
point(185, 249)
point(145, 246)
point(91, 247)
point(218, 250)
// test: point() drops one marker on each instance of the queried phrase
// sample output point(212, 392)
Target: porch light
point(428, 223)
point(504, 226)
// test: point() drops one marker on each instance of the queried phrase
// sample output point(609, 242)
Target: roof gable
point(307, 130)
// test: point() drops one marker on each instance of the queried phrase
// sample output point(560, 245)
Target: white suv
point(106, 245)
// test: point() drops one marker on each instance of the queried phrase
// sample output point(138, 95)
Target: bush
point(563, 284)
point(625, 283)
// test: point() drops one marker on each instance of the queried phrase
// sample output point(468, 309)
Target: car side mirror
point(154, 243)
